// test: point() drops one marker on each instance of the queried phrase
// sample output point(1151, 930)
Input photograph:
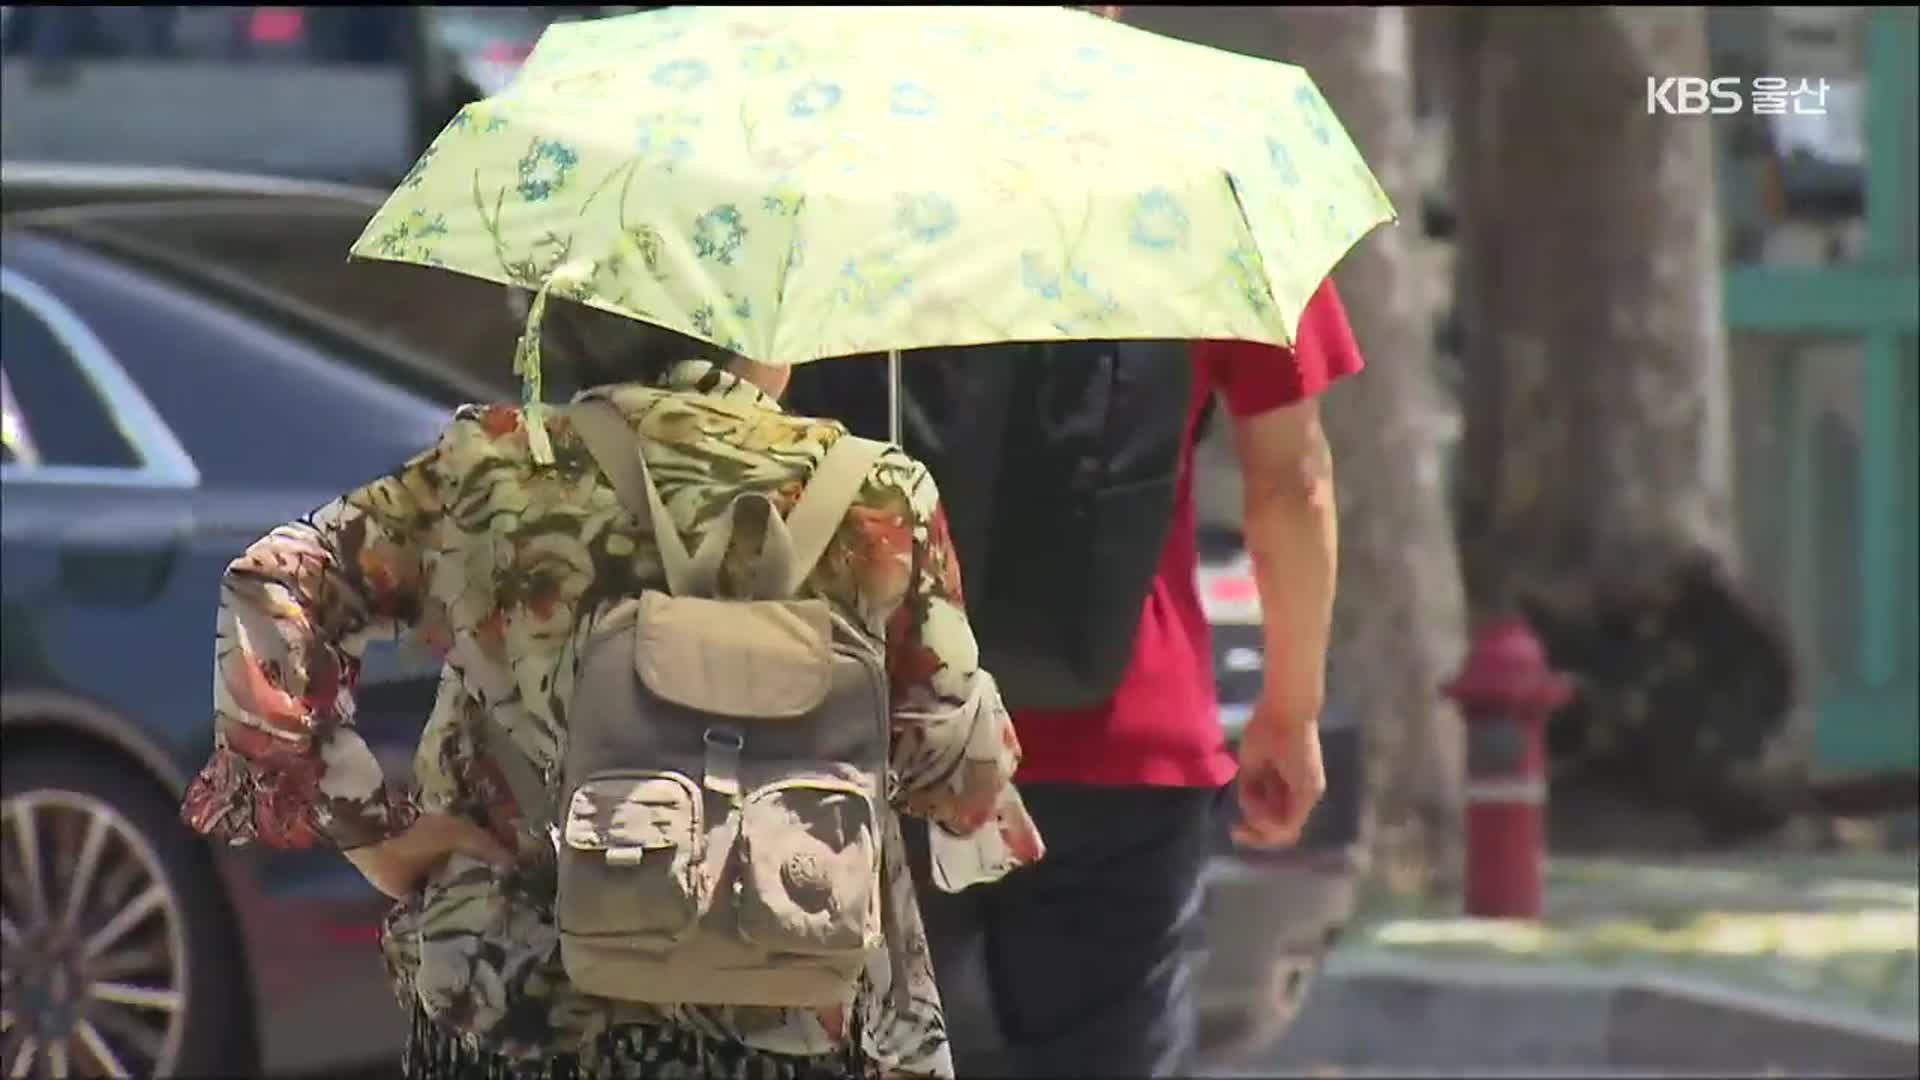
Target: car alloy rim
point(95, 963)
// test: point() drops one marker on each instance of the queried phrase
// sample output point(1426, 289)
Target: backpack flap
point(761, 660)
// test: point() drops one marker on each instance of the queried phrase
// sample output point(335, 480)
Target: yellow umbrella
point(797, 183)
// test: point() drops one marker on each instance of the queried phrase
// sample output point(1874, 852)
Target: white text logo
point(1689, 95)
point(1685, 96)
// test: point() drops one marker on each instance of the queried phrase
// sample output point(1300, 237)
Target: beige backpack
point(725, 766)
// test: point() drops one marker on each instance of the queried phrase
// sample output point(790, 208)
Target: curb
point(1371, 1011)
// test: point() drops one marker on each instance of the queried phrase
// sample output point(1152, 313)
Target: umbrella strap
point(526, 359)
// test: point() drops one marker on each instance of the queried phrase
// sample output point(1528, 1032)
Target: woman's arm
point(464, 803)
point(955, 751)
point(296, 610)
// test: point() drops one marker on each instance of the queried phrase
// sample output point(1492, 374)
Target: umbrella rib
point(1246, 222)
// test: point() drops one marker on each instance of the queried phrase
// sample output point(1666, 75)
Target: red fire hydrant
point(1506, 694)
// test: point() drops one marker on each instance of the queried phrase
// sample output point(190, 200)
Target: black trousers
point(1084, 964)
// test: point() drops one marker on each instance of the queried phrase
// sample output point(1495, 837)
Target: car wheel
point(119, 960)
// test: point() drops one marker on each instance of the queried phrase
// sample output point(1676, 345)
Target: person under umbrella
point(504, 565)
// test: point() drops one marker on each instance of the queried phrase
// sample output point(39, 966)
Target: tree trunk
point(1398, 621)
point(1593, 287)
point(1599, 482)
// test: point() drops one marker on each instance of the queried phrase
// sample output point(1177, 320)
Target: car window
point(297, 249)
point(70, 422)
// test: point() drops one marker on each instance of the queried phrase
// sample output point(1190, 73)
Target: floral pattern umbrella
point(804, 182)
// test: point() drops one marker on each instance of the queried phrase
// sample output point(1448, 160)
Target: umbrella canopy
point(803, 182)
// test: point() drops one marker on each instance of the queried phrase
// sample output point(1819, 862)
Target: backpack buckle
point(721, 773)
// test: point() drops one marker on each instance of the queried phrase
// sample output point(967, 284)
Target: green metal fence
point(1834, 496)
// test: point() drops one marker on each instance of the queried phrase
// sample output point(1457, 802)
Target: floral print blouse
point(503, 566)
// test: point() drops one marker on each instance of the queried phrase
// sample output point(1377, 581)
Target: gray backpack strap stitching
point(770, 571)
point(830, 493)
point(616, 448)
point(774, 569)
point(523, 780)
point(703, 574)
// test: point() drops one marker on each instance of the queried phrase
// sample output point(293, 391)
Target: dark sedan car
point(167, 401)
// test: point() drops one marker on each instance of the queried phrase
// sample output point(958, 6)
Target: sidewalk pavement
point(1800, 965)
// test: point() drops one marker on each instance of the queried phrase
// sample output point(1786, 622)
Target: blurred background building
point(338, 93)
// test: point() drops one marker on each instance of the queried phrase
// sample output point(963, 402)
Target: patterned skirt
point(630, 1052)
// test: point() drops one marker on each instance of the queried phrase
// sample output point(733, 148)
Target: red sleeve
point(1255, 378)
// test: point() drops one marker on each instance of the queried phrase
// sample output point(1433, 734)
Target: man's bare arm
point(1292, 534)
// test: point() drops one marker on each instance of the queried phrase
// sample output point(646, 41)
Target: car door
point(97, 517)
point(269, 423)
point(277, 427)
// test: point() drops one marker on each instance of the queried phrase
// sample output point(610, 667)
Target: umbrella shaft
point(893, 396)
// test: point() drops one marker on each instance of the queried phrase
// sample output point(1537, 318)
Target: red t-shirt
point(1162, 728)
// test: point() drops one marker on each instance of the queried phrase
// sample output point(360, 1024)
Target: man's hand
point(398, 865)
point(1281, 778)
point(1293, 536)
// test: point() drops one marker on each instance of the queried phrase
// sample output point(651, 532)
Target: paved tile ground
point(1839, 929)
point(1835, 931)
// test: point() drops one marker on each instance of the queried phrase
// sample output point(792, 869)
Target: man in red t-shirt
point(1080, 965)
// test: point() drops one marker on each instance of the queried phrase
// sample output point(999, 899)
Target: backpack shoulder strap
point(830, 493)
point(529, 790)
point(616, 449)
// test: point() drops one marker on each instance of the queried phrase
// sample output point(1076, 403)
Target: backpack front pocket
point(630, 859)
point(809, 868)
